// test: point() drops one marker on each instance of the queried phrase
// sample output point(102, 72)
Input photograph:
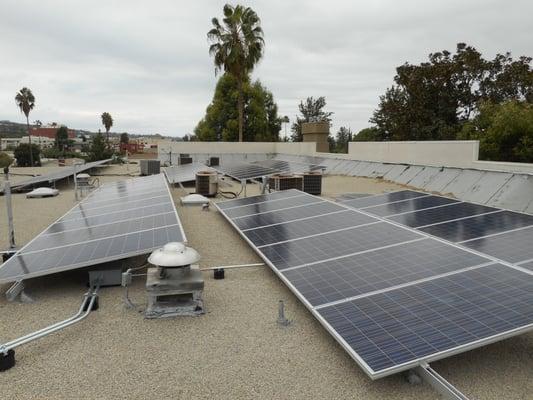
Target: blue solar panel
point(441, 214)
point(482, 225)
point(409, 205)
point(401, 326)
point(383, 198)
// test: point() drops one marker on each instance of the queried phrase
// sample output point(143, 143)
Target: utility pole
point(7, 193)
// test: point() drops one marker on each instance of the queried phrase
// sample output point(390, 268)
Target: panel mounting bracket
point(16, 293)
point(441, 385)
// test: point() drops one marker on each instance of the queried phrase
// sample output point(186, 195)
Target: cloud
point(147, 62)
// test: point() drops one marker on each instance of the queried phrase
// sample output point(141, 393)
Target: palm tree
point(237, 46)
point(107, 122)
point(285, 120)
point(26, 102)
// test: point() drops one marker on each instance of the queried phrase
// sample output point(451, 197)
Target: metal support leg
point(441, 385)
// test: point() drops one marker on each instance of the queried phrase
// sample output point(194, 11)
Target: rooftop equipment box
point(150, 167)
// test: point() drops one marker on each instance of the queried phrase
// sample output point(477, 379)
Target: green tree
point(5, 160)
point(505, 131)
point(27, 154)
point(26, 102)
point(237, 46)
point(311, 111)
point(61, 142)
point(124, 138)
point(368, 135)
point(344, 136)
point(107, 122)
point(433, 100)
point(98, 149)
point(220, 122)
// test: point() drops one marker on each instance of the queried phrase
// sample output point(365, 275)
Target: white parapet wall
point(452, 153)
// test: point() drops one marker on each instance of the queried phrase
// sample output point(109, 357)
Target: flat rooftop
point(235, 351)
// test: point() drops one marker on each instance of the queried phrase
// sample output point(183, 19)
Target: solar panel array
point(392, 296)
point(184, 173)
point(63, 173)
point(257, 169)
point(506, 235)
point(116, 221)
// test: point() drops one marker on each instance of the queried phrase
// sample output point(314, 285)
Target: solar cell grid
point(184, 173)
point(512, 246)
point(528, 265)
point(320, 248)
point(100, 234)
point(376, 270)
point(281, 216)
point(409, 205)
point(383, 198)
point(271, 206)
point(307, 227)
point(441, 214)
point(482, 225)
point(257, 199)
point(394, 329)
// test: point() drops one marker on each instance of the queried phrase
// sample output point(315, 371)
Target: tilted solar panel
point(103, 227)
point(184, 173)
point(392, 297)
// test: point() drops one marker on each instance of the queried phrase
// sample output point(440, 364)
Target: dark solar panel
point(512, 246)
point(383, 198)
point(307, 227)
point(271, 206)
point(482, 225)
point(409, 205)
point(101, 233)
point(320, 248)
point(441, 214)
point(528, 265)
point(258, 199)
point(375, 270)
point(394, 329)
point(280, 216)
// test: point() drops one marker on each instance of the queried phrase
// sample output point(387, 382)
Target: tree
point(505, 131)
point(5, 160)
point(344, 136)
point(368, 135)
point(27, 155)
point(61, 138)
point(311, 111)
point(433, 100)
point(237, 46)
point(107, 122)
point(26, 102)
point(261, 121)
point(124, 138)
point(98, 149)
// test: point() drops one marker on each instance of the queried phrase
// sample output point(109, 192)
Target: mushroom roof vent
point(174, 255)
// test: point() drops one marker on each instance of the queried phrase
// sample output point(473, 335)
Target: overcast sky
point(147, 62)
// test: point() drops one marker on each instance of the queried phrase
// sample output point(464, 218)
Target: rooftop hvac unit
point(285, 182)
point(150, 167)
point(207, 183)
point(214, 161)
point(184, 155)
point(184, 160)
point(312, 183)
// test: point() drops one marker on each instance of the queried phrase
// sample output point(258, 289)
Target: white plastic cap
point(174, 254)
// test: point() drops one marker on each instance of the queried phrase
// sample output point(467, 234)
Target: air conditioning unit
point(213, 161)
point(285, 182)
point(184, 160)
point(312, 183)
point(207, 183)
point(150, 167)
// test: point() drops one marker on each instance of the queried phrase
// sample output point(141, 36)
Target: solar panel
point(257, 169)
point(397, 329)
point(441, 214)
point(258, 199)
point(409, 205)
point(184, 173)
point(528, 265)
point(514, 246)
point(393, 298)
point(258, 208)
point(93, 232)
point(481, 225)
point(369, 201)
point(58, 175)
